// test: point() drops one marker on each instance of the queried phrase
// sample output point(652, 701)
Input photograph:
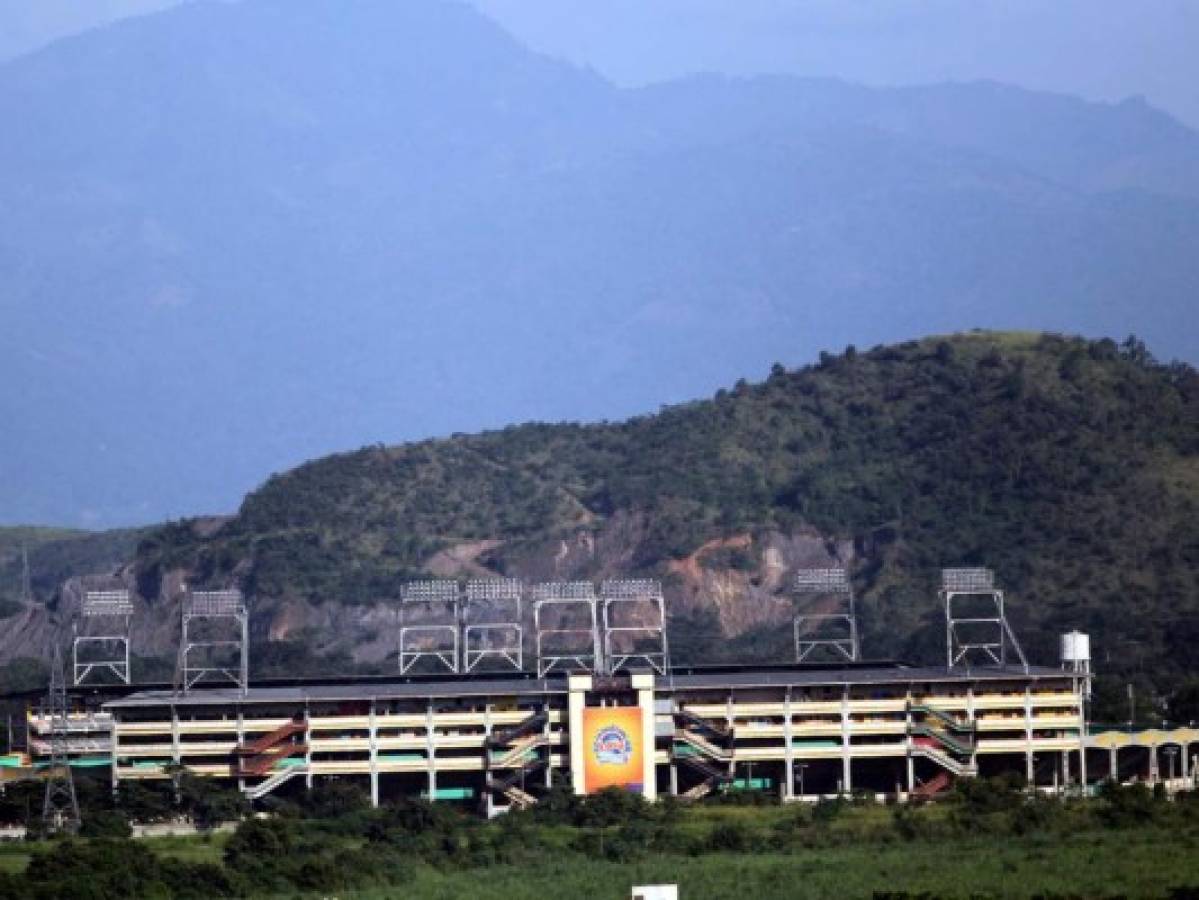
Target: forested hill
point(1070, 466)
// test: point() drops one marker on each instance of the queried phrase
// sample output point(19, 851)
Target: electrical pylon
point(60, 810)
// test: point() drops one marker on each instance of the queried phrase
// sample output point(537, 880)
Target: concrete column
point(308, 756)
point(115, 744)
point(1030, 770)
point(1065, 769)
point(488, 796)
point(1113, 763)
point(729, 718)
point(176, 749)
point(1082, 734)
point(788, 749)
point(971, 717)
point(373, 742)
point(576, 700)
point(674, 780)
point(548, 732)
point(846, 764)
point(643, 684)
point(907, 740)
point(430, 754)
point(241, 739)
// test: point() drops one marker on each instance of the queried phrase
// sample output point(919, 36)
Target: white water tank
point(1076, 649)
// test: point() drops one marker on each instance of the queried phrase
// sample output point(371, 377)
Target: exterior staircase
point(938, 784)
point(698, 723)
point(944, 739)
point(509, 787)
point(262, 755)
point(927, 749)
point(498, 740)
point(519, 752)
point(712, 777)
point(256, 791)
point(947, 719)
point(958, 745)
point(516, 748)
point(704, 747)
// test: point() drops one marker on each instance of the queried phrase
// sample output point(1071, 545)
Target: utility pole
point(26, 581)
point(60, 809)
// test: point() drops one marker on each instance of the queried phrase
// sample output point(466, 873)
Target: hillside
point(1070, 466)
point(325, 223)
point(55, 554)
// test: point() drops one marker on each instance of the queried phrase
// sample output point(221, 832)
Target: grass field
point(1097, 864)
point(15, 855)
point(1092, 865)
point(861, 851)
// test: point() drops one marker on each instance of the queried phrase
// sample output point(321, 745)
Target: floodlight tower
point(491, 623)
point(60, 807)
point(826, 614)
point(981, 631)
point(215, 641)
point(430, 624)
point(566, 627)
point(100, 641)
point(634, 623)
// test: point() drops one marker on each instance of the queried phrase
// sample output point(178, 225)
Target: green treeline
point(332, 840)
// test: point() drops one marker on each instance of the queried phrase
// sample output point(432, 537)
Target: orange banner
point(612, 748)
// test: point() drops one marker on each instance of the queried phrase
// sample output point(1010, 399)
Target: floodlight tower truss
point(491, 623)
point(826, 615)
point(980, 633)
point(566, 626)
point(634, 618)
point(60, 807)
point(215, 642)
point(430, 624)
point(100, 643)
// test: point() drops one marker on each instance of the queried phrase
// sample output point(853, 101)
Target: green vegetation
point(989, 840)
point(56, 554)
point(203, 802)
point(1070, 466)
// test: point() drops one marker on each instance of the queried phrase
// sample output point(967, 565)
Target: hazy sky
point(1098, 49)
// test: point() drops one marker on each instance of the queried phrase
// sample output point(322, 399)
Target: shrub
point(730, 837)
point(105, 824)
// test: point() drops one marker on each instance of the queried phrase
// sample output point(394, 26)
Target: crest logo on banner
point(612, 746)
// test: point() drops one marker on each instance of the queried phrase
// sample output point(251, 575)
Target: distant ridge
point(237, 236)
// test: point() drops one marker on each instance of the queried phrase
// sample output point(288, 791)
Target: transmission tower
point(60, 810)
point(976, 626)
point(826, 614)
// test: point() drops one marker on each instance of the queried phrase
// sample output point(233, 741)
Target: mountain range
point(239, 236)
